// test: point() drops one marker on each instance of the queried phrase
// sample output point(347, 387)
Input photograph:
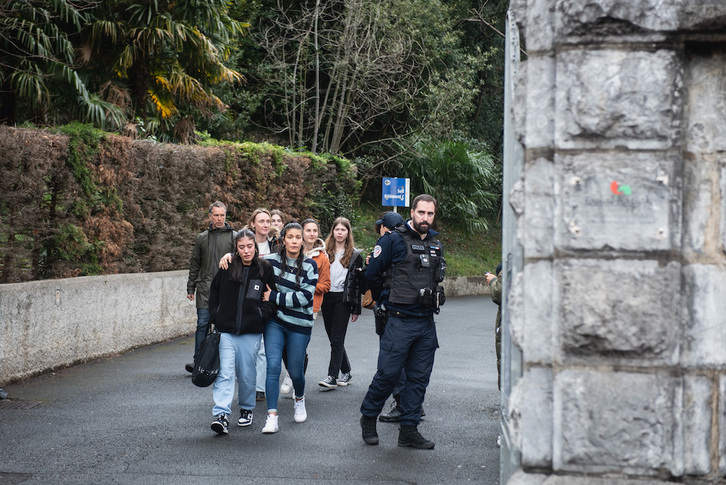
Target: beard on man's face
point(421, 227)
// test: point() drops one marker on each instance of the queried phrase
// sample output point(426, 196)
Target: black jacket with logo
point(236, 306)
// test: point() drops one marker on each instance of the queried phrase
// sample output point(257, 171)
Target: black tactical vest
point(414, 280)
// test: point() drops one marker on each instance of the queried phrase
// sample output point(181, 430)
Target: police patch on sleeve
point(377, 251)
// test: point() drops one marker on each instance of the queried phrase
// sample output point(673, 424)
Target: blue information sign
point(396, 192)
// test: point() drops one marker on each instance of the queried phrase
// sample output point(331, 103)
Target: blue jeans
point(202, 324)
point(277, 337)
point(237, 355)
point(410, 343)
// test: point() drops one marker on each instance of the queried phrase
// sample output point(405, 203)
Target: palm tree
point(37, 73)
point(165, 55)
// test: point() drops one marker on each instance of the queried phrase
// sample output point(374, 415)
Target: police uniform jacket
point(392, 250)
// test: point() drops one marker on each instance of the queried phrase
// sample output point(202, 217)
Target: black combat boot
point(394, 414)
point(368, 429)
point(409, 436)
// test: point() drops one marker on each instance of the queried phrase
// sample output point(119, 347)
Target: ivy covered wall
point(77, 201)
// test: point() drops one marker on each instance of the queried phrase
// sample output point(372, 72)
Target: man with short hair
point(404, 275)
point(209, 247)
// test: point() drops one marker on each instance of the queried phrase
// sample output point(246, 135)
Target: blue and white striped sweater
point(294, 304)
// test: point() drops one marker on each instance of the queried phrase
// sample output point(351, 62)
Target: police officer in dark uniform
point(404, 275)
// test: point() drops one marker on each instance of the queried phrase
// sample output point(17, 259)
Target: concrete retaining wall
point(56, 323)
point(50, 324)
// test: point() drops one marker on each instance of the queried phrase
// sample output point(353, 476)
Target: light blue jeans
point(261, 368)
point(237, 354)
point(277, 337)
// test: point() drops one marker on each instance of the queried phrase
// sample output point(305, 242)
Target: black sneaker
point(220, 425)
point(245, 418)
point(409, 436)
point(329, 382)
point(260, 396)
point(189, 368)
point(368, 430)
point(345, 380)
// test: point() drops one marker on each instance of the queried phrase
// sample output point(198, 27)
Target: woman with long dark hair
point(314, 248)
point(237, 310)
point(343, 302)
point(292, 324)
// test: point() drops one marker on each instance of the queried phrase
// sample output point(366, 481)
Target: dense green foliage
point(466, 183)
point(152, 63)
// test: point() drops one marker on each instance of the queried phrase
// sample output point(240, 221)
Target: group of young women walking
point(271, 301)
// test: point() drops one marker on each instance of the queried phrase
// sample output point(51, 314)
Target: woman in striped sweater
point(291, 327)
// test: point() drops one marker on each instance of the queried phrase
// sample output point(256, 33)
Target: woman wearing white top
point(343, 302)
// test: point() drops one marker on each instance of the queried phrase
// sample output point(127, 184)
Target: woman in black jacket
point(237, 310)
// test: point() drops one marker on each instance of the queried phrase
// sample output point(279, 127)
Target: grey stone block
point(519, 105)
point(618, 17)
point(700, 207)
point(515, 307)
point(540, 25)
point(530, 417)
point(523, 478)
point(603, 100)
point(600, 481)
point(617, 201)
point(697, 402)
point(539, 209)
point(537, 338)
point(705, 103)
point(723, 208)
point(722, 425)
point(619, 311)
point(540, 124)
point(617, 422)
point(705, 319)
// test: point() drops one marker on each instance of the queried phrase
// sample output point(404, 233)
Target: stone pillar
point(620, 309)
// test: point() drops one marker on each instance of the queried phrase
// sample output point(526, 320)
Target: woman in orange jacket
point(315, 250)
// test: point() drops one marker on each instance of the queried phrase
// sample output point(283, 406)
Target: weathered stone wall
point(620, 310)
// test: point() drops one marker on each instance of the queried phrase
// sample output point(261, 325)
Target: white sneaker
point(300, 413)
point(270, 424)
point(286, 386)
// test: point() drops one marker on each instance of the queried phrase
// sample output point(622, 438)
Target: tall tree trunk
point(316, 126)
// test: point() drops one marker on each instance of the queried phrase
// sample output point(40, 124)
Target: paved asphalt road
point(137, 419)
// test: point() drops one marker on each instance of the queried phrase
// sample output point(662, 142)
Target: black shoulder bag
point(206, 367)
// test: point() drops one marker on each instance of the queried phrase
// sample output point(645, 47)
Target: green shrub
point(466, 183)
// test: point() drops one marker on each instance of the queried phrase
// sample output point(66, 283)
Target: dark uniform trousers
point(408, 342)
